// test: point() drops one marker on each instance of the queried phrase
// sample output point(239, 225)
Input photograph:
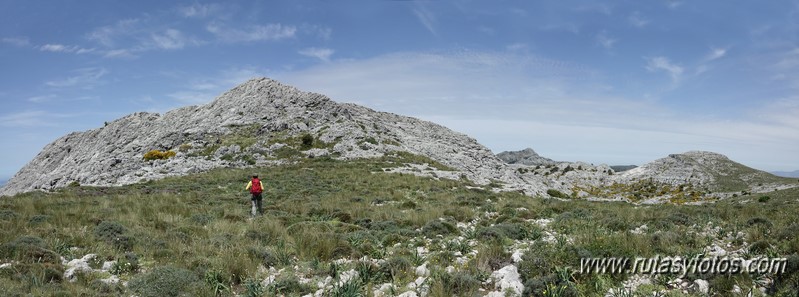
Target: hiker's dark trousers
point(257, 205)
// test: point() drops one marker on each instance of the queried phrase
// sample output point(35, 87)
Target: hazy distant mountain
point(622, 168)
point(794, 173)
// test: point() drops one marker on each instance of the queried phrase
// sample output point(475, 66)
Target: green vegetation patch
point(194, 236)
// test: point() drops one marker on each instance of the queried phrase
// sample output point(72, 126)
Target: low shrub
point(459, 283)
point(289, 285)
point(158, 155)
point(113, 233)
point(165, 281)
point(759, 247)
point(556, 194)
point(29, 249)
point(436, 227)
point(7, 214)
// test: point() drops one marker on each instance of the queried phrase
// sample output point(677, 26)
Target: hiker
point(256, 187)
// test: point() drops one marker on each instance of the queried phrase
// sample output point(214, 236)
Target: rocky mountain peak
point(257, 123)
point(526, 156)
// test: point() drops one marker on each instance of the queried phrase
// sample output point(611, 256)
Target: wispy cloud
point(26, 119)
point(605, 40)
point(673, 4)
point(171, 39)
point(268, 32)
point(109, 35)
point(42, 98)
point(60, 48)
point(198, 10)
point(788, 59)
point(85, 78)
point(716, 53)
point(17, 41)
point(205, 89)
point(497, 94)
point(319, 53)
point(321, 32)
point(426, 17)
point(638, 20)
point(663, 64)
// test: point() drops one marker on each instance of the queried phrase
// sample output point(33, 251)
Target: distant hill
point(525, 157)
point(622, 168)
point(707, 170)
point(794, 173)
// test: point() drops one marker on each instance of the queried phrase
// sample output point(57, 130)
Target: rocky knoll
point(260, 122)
point(707, 169)
point(525, 157)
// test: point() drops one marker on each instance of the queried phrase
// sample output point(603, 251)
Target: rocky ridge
point(525, 157)
point(256, 123)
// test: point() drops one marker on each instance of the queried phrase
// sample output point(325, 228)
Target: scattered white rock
point(640, 230)
point(383, 290)
point(107, 265)
point(408, 294)
point(422, 270)
point(75, 266)
point(517, 256)
point(507, 281)
point(701, 286)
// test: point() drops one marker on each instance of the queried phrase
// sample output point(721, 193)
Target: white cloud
point(34, 118)
point(716, 53)
point(17, 41)
point(605, 41)
point(60, 48)
point(673, 4)
point(565, 110)
point(789, 59)
point(197, 10)
point(205, 89)
point(109, 35)
point(85, 78)
point(319, 53)
point(427, 18)
point(119, 53)
point(192, 97)
point(638, 20)
point(42, 98)
point(662, 63)
point(171, 39)
point(322, 32)
point(268, 32)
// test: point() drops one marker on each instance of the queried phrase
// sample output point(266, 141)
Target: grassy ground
point(193, 235)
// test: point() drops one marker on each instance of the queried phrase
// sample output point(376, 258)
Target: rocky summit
point(260, 122)
point(525, 157)
point(263, 122)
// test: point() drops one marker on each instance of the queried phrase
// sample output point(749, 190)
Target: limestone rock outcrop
point(259, 122)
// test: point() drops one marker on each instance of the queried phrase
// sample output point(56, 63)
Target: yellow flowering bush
point(158, 155)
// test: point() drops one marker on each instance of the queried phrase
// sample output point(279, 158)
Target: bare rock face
point(525, 157)
point(259, 122)
point(705, 170)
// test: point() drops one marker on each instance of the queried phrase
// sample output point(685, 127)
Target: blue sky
point(622, 82)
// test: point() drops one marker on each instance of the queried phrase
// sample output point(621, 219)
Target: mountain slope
point(525, 157)
point(708, 170)
point(259, 122)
